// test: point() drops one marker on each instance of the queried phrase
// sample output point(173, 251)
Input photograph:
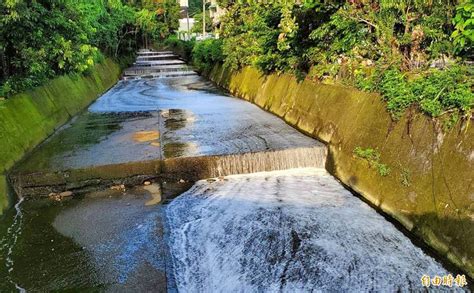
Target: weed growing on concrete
point(373, 158)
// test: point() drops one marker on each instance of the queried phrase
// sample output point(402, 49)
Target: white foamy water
point(7, 244)
point(293, 231)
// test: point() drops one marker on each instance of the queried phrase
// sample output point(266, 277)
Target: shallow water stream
point(295, 230)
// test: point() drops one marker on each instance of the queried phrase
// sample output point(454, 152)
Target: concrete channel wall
point(429, 189)
point(26, 119)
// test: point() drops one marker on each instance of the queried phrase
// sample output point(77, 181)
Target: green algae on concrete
point(437, 204)
point(28, 118)
point(3, 193)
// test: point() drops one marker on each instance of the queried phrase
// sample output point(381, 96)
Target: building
point(215, 12)
point(185, 22)
point(185, 26)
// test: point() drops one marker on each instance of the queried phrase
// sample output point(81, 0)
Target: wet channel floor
point(98, 138)
point(290, 230)
point(295, 230)
point(146, 119)
point(108, 241)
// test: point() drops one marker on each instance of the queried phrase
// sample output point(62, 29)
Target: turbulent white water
point(293, 230)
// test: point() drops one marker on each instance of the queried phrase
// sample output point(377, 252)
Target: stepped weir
point(157, 64)
point(161, 121)
point(256, 210)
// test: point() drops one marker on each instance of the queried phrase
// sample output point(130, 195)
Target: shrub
point(434, 92)
point(396, 92)
point(378, 46)
point(464, 23)
point(183, 48)
point(207, 53)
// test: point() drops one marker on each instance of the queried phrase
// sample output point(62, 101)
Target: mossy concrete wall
point(3, 193)
point(28, 118)
point(430, 189)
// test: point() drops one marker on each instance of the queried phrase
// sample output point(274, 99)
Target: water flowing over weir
point(263, 214)
point(294, 230)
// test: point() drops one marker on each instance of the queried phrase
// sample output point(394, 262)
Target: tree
point(377, 45)
point(197, 28)
point(146, 22)
point(44, 38)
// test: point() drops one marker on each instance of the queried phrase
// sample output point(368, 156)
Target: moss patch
point(3, 193)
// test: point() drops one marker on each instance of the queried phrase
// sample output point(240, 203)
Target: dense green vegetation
point(45, 38)
point(197, 28)
point(413, 52)
point(195, 7)
point(184, 49)
point(207, 53)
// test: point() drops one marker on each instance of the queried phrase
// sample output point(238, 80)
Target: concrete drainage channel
point(192, 135)
point(160, 129)
point(293, 227)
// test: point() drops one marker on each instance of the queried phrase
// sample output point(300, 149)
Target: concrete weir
point(162, 127)
point(256, 211)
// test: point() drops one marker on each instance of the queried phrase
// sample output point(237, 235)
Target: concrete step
point(147, 53)
point(160, 75)
point(189, 169)
point(157, 57)
point(141, 70)
point(159, 63)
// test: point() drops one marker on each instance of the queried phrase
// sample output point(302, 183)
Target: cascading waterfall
point(151, 64)
point(200, 167)
point(268, 161)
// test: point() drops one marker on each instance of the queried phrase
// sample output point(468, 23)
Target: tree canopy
point(414, 52)
point(44, 38)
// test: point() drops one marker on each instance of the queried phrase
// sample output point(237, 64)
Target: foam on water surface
point(7, 243)
point(293, 230)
